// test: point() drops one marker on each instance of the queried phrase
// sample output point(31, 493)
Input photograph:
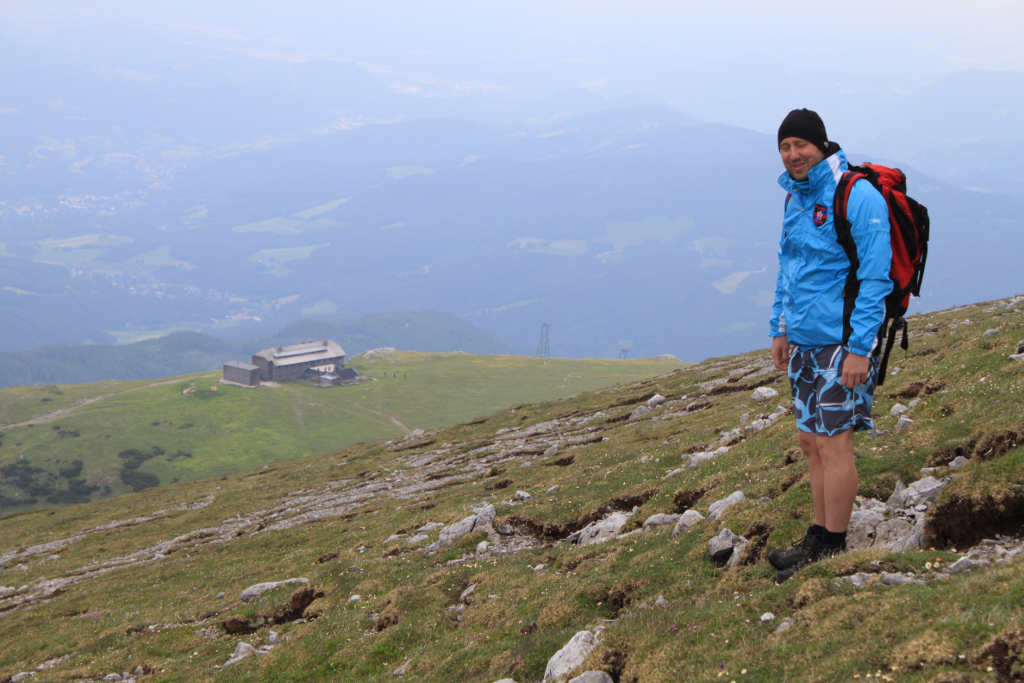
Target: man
point(832, 383)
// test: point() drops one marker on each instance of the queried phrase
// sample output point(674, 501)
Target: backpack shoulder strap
point(844, 235)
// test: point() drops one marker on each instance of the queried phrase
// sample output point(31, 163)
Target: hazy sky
point(539, 47)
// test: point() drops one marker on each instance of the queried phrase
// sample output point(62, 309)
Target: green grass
point(233, 429)
point(518, 617)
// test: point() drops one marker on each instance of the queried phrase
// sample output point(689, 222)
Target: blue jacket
point(813, 267)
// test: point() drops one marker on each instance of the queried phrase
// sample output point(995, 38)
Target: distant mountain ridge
point(186, 352)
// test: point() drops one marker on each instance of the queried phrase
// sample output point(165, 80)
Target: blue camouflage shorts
point(823, 406)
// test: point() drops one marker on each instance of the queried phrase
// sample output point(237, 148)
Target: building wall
point(249, 378)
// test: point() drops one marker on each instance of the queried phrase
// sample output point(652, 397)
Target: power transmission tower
point(623, 353)
point(543, 347)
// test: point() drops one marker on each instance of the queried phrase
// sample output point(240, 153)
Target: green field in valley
point(222, 429)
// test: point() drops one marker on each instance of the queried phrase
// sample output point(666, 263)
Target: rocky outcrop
point(563, 662)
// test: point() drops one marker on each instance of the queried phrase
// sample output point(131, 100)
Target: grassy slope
point(711, 629)
point(236, 429)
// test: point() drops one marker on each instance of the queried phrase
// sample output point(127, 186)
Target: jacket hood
point(825, 173)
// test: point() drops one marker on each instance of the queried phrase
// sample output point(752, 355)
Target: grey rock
point(959, 462)
point(686, 521)
point(860, 534)
point(400, 671)
point(355, 598)
point(758, 425)
point(506, 680)
point(766, 617)
point(243, 649)
point(891, 531)
point(660, 520)
point(928, 470)
point(526, 464)
point(522, 495)
point(457, 609)
point(896, 499)
point(451, 534)
point(661, 603)
point(961, 565)
point(903, 423)
point(989, 333)
point(655, 401)
point(551, 451)
point(417, 538)
point(539, 567)
point(504, 530)
point(470, 589)
point(720, 547)
point(874, 434)
point(273, 638)
point(720, 506)
point(915, 541)
point(482, 547)
point(639, 412)
point(603, 530)
point(925, 490)
point(899, 580)
point(570, 656)
point(737, 552)
point(552, 490)
point(898, 410)
point(744, 418)
point(915, 403)
point(428, 527)
point(784, 626)
point(858, 580)
point(1017, 356)
point(485, 513)
point(253, 592)
point(21, 676)
point(593, 677)
point(763, 393)
point(221, 595)
point(139, 671)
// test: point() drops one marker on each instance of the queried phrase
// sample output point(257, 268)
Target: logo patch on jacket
point(820, 215)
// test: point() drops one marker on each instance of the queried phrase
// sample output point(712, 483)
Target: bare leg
point(809, 445)
point(839, 480)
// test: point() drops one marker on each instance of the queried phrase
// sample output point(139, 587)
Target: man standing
point(832, 383)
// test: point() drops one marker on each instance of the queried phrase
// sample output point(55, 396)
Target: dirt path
point(64, 412)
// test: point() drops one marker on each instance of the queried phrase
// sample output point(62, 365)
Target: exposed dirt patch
point(962, 521)
point(789, 483)
point(297, 604)
point(944, 456)
point(1005, 654)
point(685, 499)
point(633, 400)
point(758, 536)
point(498, 485)
point(729, 388)
point(554, 531)
point(915, 389)
point(237, 626)
point(995, 445)
point(620, 594)
point(791, 456)
point(561, 462)
point(389, 616)
point(326, 557)
point(927, 650)
point(414, 445)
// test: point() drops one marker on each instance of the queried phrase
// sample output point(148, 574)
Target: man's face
point(799, 156)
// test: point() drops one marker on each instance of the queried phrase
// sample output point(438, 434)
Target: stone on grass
point(721, 546)
point(860, 534)
point(767, 616)
point(922, 491)
point(959, 462)
point(482, 547)
point(551, 451)
point(428, 527)
point(903, 423)
point(400, 671)
point(686, 521)
point(961, 565)
point(737, 552)
point(355, 598)
point(569, 657)
point(522, 495)
point(892, 531)
point(763, 393)
point(243, 649)
point(273, 638)
point(896, 499)
point(655, 401)
point(915, 403)
point(898, 410)
point(593, 677)
point(470, 589)
point(915, 541)
point(720, 506)
point(899, 580)
point(253, 592)
point(639, 412)
point(603, 530)
point(858, 580)
point(786, 624)
point(660, 519)
point(661, 603)
point(485, 513)
point(552, 490)
point(989, 333)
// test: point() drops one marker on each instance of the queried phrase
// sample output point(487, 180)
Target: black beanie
point(806, 125)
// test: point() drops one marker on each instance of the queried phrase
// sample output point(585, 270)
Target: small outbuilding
point(242, 373)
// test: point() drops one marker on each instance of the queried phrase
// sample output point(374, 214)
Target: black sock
point(835, 538)
point(816, 530)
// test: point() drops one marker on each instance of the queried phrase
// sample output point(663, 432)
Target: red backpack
point(908, 235)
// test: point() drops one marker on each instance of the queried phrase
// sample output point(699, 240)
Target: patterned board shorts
point(822, 404)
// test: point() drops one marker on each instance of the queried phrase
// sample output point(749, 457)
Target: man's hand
point(855, 370)
point(780, 353)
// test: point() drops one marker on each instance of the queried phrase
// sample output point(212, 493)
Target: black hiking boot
point(816, 551)
point(784, 558)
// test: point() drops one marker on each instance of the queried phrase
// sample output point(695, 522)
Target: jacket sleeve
point(869, 219)
point(777, 324)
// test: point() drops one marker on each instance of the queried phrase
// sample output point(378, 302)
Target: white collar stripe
point(837, 172)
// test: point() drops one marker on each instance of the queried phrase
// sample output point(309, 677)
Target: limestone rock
point(655, 401)
point(482, 547)
point(861, 532)
point(639, 412)
point(915, 541)
point(737, 552)
point(253, 592)
point(903, 423)
point(858, 580)
point(915, 403)
point(569, 657)
point(661, 603)
point(660, 520)
point(899, 580)
point(522, 495)
point(451, 534)
point(603, 530)
point(551, 451)
point(923, 491)
point(400, 671)
point(758, 425)
point(593, 677)
point(470, 589)
point(485, 513)
point(898, 410)
point(552, 490)
point(959, 462)
point(896, 499)
point(784, 626)
point(763, 393)
point(989, 333)
point(720, 547)
point(720, 506)
point(892, 531)
point(961, 565)
point(686, 521)
point(428, 527)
